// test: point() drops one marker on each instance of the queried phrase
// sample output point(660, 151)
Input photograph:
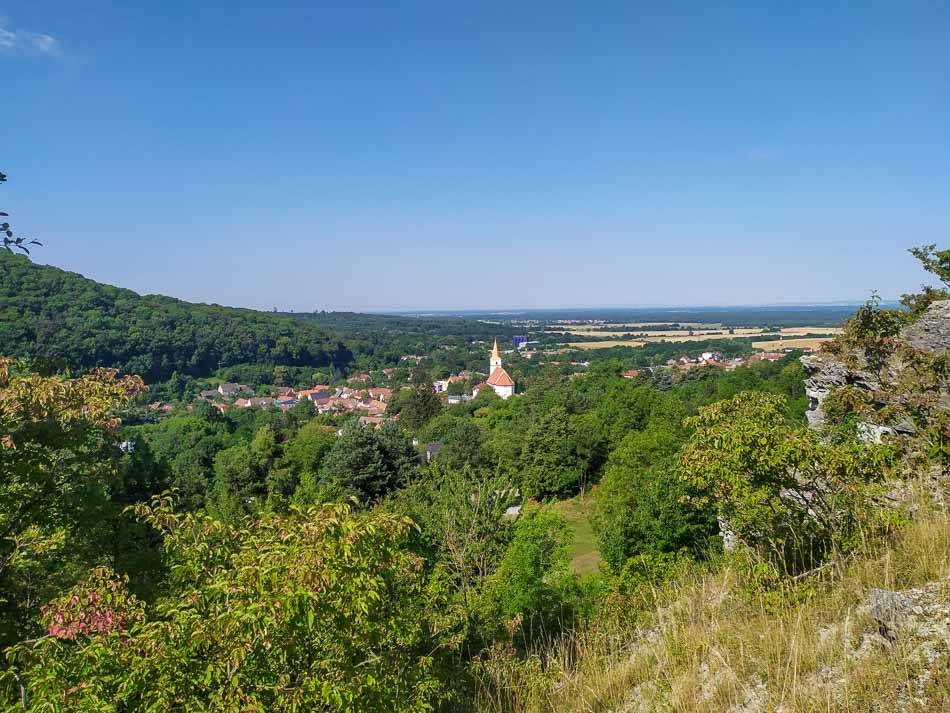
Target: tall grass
point(709, 641)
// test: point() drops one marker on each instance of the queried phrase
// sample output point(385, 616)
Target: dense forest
point(267, 559)
point(67, 320)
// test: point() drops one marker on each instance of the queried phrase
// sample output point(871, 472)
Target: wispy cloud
point(7, 39)
point(47, 44)
point(26, 42)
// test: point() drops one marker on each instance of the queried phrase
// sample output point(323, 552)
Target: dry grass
point(678, 336)
point(813, 342)
point(649, 333)
point(711, 647)
point(606, 344)
point(626, 325)
point(791, 331)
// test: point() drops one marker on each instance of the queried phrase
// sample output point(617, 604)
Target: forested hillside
point(70, 321)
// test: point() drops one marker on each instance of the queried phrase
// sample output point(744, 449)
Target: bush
point(782, 490)
point(323, 610)
point(642, 503)
point(531, 593)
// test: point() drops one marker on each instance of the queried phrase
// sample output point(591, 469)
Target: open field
point(655, 333)
point(606, 344)
point(695, 337)
point(576, 511)
point(814, 343)
point(789, 331)
point(676, 336)
point(688, 325)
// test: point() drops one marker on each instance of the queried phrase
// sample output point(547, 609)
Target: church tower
point(495, 360)
point(499, 379)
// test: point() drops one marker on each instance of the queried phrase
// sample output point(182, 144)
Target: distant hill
point(65, 318)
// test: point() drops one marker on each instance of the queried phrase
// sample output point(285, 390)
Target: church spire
point(494, 361)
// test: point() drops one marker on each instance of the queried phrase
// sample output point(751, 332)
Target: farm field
point(686, 325)
point(789, 331)
point(814, 343)
point(677, 336)
point(653, 333)
point(606, 344)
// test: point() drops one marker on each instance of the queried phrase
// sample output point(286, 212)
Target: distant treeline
point(784, 316)
point(377, 340)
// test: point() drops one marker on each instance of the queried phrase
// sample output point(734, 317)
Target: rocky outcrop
point(930, 333)
point(825, 372)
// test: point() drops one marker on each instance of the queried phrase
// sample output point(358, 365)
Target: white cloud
point(46, 44)
point(20, 41)
point(7, 39)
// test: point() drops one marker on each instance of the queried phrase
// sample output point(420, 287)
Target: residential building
point(234, 389)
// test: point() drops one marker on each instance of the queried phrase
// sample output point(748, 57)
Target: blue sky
point(478, 155)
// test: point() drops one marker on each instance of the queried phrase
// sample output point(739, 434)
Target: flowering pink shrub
point(99, 606)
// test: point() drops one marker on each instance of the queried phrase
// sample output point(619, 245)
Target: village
point(359, 397)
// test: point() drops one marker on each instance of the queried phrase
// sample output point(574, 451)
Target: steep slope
point(68, 319)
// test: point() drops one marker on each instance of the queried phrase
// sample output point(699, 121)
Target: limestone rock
point(931, 332)
point(891, 611)
point(824, 373)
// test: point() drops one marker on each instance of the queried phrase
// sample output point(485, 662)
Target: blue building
point(519, 340)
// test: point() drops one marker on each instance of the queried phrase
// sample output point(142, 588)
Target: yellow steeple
point(494, 362)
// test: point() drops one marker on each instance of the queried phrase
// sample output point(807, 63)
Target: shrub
point(782, 490)
point(322, 610)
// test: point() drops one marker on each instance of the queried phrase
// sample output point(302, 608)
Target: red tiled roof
point(499, 377)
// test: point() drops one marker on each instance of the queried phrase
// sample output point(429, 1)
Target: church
point(498, 379)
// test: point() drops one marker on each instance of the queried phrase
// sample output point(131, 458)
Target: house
point(373, 407)
point(375, 421)
point(380, 393)
point(234, 389)
point(499, 380)
point(208, 395)
point(630, 374)
point(285, 392)
point(255, 402)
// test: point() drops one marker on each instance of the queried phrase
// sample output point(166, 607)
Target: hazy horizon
point(433, 157)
